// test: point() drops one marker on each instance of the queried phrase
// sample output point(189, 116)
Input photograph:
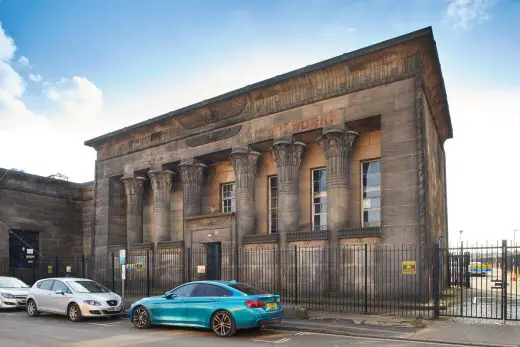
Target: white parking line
point(106, 324)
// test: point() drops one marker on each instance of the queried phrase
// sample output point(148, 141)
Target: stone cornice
point(379, 64)
point(318, 85)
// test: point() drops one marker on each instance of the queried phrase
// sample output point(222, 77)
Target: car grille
point(112, 302)
point(20, 297)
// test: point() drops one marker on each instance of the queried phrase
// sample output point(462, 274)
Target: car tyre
point(74, 312)
point(141, 318)
point(223, 324)
point(32, 309)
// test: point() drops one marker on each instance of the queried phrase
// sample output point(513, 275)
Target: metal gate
point(482, 281)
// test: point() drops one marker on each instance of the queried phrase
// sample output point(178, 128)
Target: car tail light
point(255, 303)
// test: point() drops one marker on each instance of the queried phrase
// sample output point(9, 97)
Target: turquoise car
point(222, 306)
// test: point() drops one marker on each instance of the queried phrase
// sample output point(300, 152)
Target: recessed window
point(228, 198)
point(273, 204)
point(371, 194)
point(319, 199)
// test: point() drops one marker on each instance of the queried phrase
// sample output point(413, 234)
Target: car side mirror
point(60, 292)
point(169, 295)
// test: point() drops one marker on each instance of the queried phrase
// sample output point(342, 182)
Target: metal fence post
point(461, 278)
point(436, 281)
point(57, 264)
point(113, 273)
point(366, 278)
point(504, 280)
point(296, 274)
point(148, 272)
point(83, 270)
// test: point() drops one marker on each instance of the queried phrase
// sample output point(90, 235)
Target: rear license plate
point(271, 305)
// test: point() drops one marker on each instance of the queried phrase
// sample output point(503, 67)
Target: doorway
point(213, 261)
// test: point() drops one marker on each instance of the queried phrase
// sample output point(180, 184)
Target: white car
point(75, 297)
point(13, 292)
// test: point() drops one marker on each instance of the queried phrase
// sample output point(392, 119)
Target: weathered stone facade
point(59, 212)
point(165, 182)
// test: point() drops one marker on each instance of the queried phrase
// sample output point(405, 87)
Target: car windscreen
point(10, 282)
point(248, 290)
point(87, 287)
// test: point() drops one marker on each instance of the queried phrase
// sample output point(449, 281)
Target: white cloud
point(463, 12)
point(12, 84)
point(35, 77)
point(23, 60)
point(77, 96)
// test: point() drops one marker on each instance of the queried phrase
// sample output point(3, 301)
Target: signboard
point(139, 267)
point(122, 256)
point(123, 272)
point(69, 269)
point(201, 269)
point(409, 267)
point(49, 269)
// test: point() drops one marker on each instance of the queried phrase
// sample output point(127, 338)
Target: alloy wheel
point(31, 308)
point(140, 318)
point(74, 313)
point(222, 324)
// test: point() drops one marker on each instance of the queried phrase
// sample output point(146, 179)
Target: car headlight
point(7, 295)
point(92, 302)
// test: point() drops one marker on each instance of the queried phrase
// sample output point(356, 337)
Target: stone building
point(42, 218)
point(347, 150)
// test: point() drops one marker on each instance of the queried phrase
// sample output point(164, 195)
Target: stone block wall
point(58, 210)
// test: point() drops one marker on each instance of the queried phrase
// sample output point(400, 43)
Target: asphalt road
point(19, 330)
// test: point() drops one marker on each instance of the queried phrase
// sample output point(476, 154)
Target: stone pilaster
point(245, 166)
point(288, 156)
point(161, 181)
point(337, 144)
point(192, 176)
point(134, 187)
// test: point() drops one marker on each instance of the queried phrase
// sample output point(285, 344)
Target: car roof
point(66, 279)
point(214, 282)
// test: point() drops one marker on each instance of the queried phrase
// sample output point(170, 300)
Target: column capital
point(133, 185)
point(161, 179)
point(192, 171)
point(337, 142)
point(288, 152)
point(244, 161)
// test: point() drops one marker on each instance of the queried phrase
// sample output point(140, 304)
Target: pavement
point(17, 330)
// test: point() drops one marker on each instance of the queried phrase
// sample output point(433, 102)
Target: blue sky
point(73, 70)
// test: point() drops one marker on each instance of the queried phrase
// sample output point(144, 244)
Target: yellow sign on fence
point(409, 267)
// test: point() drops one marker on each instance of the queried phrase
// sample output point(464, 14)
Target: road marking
point(118, 341)
point(302, 333)
point(106, 324)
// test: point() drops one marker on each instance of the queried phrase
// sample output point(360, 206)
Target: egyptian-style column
point(288, 156)
point(192, 175)
point(161, 181)
point(337, 144)
point(244, 163)
point(134, 209)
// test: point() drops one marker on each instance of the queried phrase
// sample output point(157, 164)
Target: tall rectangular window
point(371, 199)
point(319, 199)
point(228, 197)
point(273, 204)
